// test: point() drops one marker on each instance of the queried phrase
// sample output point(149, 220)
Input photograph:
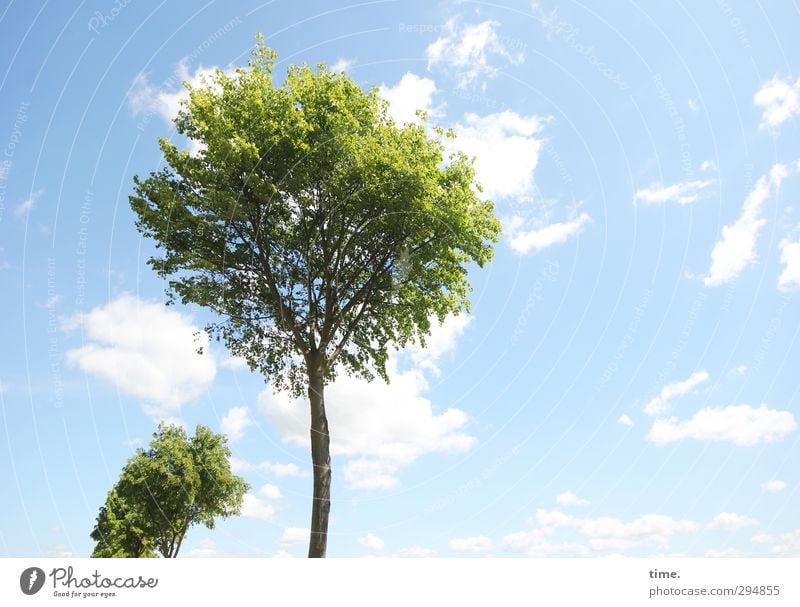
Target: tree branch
point(287, 314)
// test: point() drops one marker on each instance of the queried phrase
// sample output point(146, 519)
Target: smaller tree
point(162, 491)
point(121, 531)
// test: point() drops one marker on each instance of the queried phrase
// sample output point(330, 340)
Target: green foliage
point(162, 491)
point(318, 230)
point(121, 531)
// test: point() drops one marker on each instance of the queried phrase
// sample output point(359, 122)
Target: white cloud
point(694, 104)
point(708, 165)
point(723, 553)
point(24, 207)
point(235, 422)
point(257, 508)
point(169, 420)
point(467, 50)
point(57, 551)
point(661, 403)
point(146, 350)
point(3, 388)
point(740, 370)
point(736, 249)
point(592, 535)
point(537, 543)
point(281, 470)
point(762, 538)
point(291, 537)
point(612, 544)
point(685, 192)
point(739, 424)
point(568, 498)
point(730, 521)
point(234, 363)
point(206, 548)
point(381, 426)
point(773, 486)
point(343, 64)
point(416, 552)
point(294, 535)
point(372, 474)
point(779, 98)
point(239, 465)
point(787, 544)
point(790, 258)
point(276, 469)
point(371, 542)
point(505, 148)
point(625, 420)
point(412, 93)
point(555, 233)
point(612, 533)
point(144, 97)
point(441, 341)
point(52, 302)
point(479, 543)
point(270, 492)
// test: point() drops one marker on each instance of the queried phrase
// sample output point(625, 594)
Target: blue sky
point(627, 380)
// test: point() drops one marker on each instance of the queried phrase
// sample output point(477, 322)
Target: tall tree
point(164, 490)
point(319, 231)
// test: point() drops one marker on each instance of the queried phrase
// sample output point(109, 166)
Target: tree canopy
point(178, 482)
point(122, 531)
point(319, 231)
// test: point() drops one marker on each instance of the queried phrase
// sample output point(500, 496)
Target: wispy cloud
point(469, 50)
point(24, 207)
point(549, 235)
point(277, 469)
point(164, 100)
point(682, 193)
point(661, 403)
point(343, 64)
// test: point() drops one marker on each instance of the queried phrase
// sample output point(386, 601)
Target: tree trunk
point(321, 458)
